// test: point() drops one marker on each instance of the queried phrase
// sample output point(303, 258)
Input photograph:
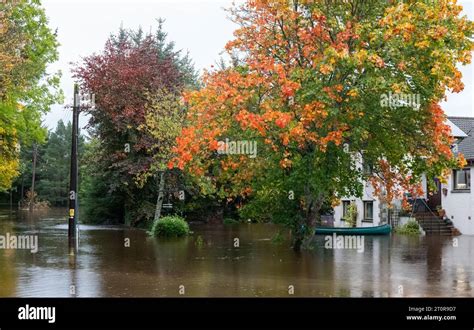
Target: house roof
point(456, 131)
point(466, 146)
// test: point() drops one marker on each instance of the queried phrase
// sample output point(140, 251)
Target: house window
point(369, 211)
point(455, 148)
point(367, 167)
point(345, 209)
point(462, 179)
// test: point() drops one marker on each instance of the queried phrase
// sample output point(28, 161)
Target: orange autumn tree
point(322, 86)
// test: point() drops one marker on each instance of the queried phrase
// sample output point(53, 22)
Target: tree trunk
point(298, 242)
point(22, 193)
point(305, 228)
point(33, 177)
point(159, 200)
point(11, 201)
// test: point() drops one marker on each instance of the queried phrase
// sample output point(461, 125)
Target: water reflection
point(208, 264)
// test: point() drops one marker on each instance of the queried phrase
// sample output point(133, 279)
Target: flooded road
point(207, 263)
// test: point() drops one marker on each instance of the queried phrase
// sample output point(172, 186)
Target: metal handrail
point(427, 206)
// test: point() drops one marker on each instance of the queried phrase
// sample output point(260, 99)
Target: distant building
point(455, 197)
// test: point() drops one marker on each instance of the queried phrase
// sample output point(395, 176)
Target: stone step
point(429, 218)
point(426, 215)
point(435, 224)
point(437, 229)
point(431, 221)
point(439, 233)
point(432, 230)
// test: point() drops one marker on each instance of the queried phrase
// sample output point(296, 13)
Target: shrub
point(230, 221)
point(352, 215)
point(410, 228)
point(170, 226)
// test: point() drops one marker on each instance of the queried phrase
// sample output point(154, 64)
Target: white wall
point(459, 206)
point(368, 196)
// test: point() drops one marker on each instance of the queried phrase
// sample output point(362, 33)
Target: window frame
point(367, 167)
point(467, 177)
point(345, 209)
point(366, 219)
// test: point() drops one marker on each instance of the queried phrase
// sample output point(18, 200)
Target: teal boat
point(378, 230)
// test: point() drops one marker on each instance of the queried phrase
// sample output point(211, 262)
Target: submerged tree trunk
point(159, 200)
point(297, 243)
point(22, 192)
point(11, 201)
point(305, 227)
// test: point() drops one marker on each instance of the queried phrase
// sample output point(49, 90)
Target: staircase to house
point(432, 224)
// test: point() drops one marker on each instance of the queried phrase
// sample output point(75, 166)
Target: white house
point(455, 197)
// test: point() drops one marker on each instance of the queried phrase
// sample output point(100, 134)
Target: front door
point(434, 197)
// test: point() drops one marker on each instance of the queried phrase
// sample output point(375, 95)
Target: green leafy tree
point(99, 202)
point(54, 165)
point(163, 122)
point(27, 90)
point(52, 169)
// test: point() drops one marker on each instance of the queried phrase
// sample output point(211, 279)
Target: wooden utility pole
point(73, 205)
point(33, 177)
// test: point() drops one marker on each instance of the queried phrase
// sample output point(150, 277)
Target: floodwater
point(206, 264)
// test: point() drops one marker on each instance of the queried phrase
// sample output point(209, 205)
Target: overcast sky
point(199, 26)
